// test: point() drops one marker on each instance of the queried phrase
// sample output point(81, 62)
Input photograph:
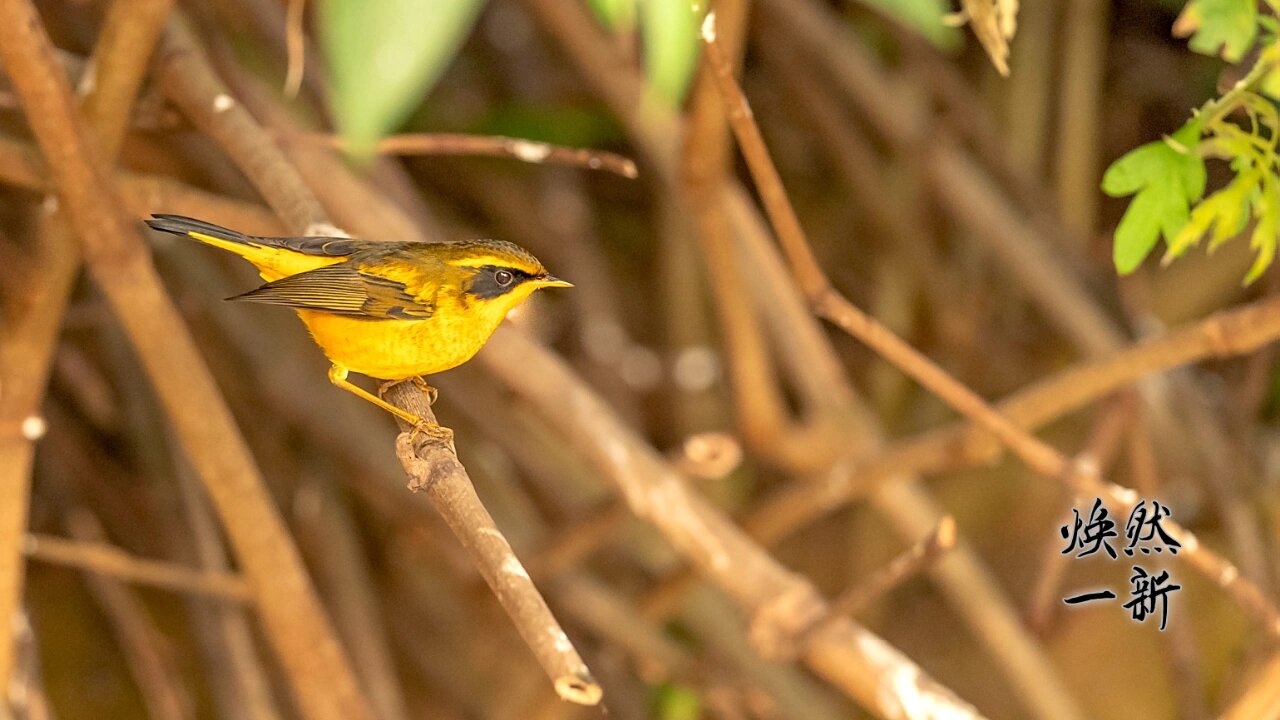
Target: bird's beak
point(552, 281)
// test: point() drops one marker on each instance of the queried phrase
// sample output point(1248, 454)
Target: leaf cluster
point(1167, 178)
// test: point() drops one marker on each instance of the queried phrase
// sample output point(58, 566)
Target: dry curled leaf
point(994, 22)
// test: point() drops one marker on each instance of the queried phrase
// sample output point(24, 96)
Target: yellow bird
point(389, 310)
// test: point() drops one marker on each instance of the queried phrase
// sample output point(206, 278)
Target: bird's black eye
point(504, 277)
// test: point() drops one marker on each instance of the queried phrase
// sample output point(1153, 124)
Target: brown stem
point(22, 165)
point(189, 81)
point(116, 563)
point(530, 151)
point(853, 659)
point(240, 683)
point(652, 128)
point(1085, 30)
point(119, 262)
point(330, 539)
point(295, 46)
point(147, 652)
point(762, 415)
point(906, 565)
point(434, 470)
point(129, 32)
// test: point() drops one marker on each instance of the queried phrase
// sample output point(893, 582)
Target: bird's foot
point(432, 430)
point(418, 382)
point(421, 383)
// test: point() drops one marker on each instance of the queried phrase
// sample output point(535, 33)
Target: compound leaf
point(1164, 177)
point(1219, 27)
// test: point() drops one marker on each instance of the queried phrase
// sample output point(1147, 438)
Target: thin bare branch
point(118, 564)
point(907, 564)
point(530, 151)
point(434, 470)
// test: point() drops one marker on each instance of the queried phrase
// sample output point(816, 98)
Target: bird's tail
point(275, 257)
point(198, 229)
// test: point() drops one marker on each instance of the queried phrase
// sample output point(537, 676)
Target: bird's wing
point(348, 288)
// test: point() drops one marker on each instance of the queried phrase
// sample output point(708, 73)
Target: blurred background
point(960, 206)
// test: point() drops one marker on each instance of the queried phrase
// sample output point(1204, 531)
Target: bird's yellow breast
point(399, 349)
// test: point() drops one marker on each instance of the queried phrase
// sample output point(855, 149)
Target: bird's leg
point(338, 376)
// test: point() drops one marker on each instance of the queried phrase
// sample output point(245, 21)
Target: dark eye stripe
point(485, 285)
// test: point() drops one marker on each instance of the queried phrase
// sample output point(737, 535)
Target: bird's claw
point(422, 385)
point(431, 430)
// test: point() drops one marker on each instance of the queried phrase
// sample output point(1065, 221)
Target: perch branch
point(434, 470)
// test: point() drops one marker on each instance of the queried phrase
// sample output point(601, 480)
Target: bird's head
point(499, 275)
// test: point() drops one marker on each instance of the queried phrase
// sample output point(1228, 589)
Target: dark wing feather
point(322, 246)
point(344, 289)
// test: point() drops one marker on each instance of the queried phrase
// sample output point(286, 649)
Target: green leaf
point(1226, 211)
point(1167, 176)
point(617, 15)
point(923, 16)
point(1230, 143)
point(670, 30)
point(383, 57)
point(1263, 238)
point(1219, 27)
